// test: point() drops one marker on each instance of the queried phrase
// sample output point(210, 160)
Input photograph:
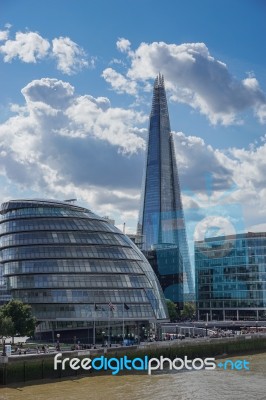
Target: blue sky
point(75, 95)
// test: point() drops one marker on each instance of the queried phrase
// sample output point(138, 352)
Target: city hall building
point(81, 275)
point(231, 277)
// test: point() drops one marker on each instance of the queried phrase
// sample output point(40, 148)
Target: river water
point(196, 385)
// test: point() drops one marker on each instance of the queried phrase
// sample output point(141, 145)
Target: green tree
point(21, 316)
point(189, 310)
point(172, 310)
point(7, 327)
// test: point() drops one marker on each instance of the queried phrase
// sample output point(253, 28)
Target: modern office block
point(4, 292)
point(231, 277)
point(164, 262)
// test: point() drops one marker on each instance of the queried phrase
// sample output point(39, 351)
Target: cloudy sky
point(75, 96)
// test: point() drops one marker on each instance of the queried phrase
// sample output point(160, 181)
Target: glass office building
point(4, 292)
point(164, 262)
point(76, 269)
point(161, 220)
point(231, 277)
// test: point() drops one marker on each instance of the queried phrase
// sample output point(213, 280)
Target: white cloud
point(31, 47)
point(48, 92)
point(4, 35)
point(261, 113)
point(196, 78)
point(28, 47)
point(118, 82)
point(106, 123)
point(228, 185)
point(70, 57)
point(123, 45)
point(63, 144)
point(196, 161)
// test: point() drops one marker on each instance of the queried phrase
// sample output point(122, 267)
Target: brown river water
point(196, 385)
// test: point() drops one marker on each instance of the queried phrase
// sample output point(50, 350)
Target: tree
point(7, 327)
point(21, 316)
point(189, 311)
point(172, 310)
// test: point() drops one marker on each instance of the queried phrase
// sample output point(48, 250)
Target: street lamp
point(4, 346)
point(206, 327)
point(58, 342)
point(103, 333)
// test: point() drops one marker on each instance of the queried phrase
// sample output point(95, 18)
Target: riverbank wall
point(25, 369)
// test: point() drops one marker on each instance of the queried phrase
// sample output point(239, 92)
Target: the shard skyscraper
point(161, 221)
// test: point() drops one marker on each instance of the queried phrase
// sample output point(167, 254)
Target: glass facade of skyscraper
point(161, 220)
point(4, 292)
point(164, 262)
point(71, 266)
point(231, 277)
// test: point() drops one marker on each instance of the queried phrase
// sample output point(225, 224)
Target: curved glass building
point(80, 274)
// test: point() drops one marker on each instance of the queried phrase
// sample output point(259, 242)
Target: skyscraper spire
point(161, 220)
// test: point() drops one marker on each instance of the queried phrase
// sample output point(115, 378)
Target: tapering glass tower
point(161, 220)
